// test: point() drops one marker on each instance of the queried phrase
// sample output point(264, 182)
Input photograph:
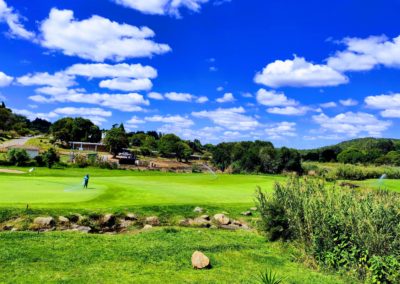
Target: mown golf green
point(63, 188)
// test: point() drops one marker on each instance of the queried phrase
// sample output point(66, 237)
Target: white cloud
point(180, 97)
point(127, 84)
point(290, 110)
point(213, 69)
point(33, 115)
point(389, 104)
point(273, 98)
point(133, 122)
point(227, 98)
point(299, 73)
point(230, 118)
point(176, 120)
point(362, 54)
point(162, 7)
point(58, 80)
point(13, 20)
point(123, 102)
point(202, 100)
point(352, 124)
point(155, 96)
point(348, 102)
point(328, 105)
point(4, 79)
point(281, 129)
point(97, 38)
point(101, 70)
point(220, 89)
point(83, 111)
point(247, 95)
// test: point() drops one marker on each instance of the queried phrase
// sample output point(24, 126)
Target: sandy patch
point(11, 171)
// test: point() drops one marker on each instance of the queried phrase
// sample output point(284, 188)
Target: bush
point(50, 157)
point(340, 228)
point(81, 161)
point(18, 157)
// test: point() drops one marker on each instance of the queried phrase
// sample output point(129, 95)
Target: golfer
point(86, 181)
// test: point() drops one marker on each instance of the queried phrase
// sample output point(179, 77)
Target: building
point(33, 152)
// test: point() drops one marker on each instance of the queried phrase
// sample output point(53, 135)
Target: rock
point(131, 217)
point(107, 220)
point(75, 218)
point(221, 219)
point(184, 222)
point(44, 222)
point(230, 227)
point(63, 220)
point(82, 229)
point(153, 221)
point(205, 217)
point(199, 222)
point(200, 261)
point(147, 227)
point(8, 227)
point(198, 210)
point(237, 223)
point(253, 209)
point(247, 213)
point(123, 224)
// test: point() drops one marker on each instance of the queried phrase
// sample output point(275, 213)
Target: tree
point(75, 129)
point(116, 140)
point(50, 157)
point(267, 156)
point(41, 125)
point(18, 157)
point(168, 144)
point(288, 160)
point(221, 155)
point(183, 151)
point(351, 156)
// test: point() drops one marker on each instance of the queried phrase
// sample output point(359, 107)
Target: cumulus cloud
point(362, 54)
point(176, 120)
point(155, 96)
point(5, 80)
point(352, 124)
point(226, 98)
point(16, 29)
point(162, 7)
point(290, 110)
point(202, 100)
point(58, 80)
point(230, 118)
point(388, 104)
point(97, 38)
point(348, 102)
point(281, 130)
point(102, 70)
point(299, 73)
point(273, 98)
point(180, 97)
point(72, 111)
point(127, 84)
point(328, 105)
point(133, 122)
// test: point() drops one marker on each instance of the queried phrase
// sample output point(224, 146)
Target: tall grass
point(343, 229)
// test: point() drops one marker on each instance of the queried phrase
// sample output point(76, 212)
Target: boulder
point(253, 209)
point(123, 224)
point(131, 217)
point(147, 227)
point(75, 218)
point(200, 260)
point(83, 229)
point(199, 222)
point(153, 221)
point(221, 219)
point(63, 220)
point(198, 210)
point(205, 217)
point(230, 227)
point(108, 220)
point(247, 213)
point(43, 222)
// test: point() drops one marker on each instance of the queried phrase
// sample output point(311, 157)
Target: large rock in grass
point(153, 221)
point(221, 219)
point(131, 217)
point(198, 210)
point(63, 221)
point(108, 220)
point(200, 260)
point(44, 223)
point(199, 222)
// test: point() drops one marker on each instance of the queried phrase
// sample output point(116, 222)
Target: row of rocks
point(217, 221)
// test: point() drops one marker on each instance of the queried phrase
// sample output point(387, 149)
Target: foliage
point(10, 121)
point(269, 277)
point(40, 125)
point(75, 129)
point(50, 157)
point(116, 140)
point(18, 157)
point(341, 228)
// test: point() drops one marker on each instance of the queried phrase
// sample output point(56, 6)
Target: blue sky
point(298, 73)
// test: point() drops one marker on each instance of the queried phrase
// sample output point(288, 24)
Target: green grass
point(156, 256)
point(108, 189)
point(388, 184)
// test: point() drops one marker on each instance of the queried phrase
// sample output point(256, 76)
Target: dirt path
point(15, 142)
point(8, 171)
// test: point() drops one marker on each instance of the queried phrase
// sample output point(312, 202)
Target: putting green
point(131, 189)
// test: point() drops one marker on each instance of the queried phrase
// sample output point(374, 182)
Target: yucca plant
point(269, 277)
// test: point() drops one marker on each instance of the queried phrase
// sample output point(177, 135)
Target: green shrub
point(341, 228)
point(18, 157)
